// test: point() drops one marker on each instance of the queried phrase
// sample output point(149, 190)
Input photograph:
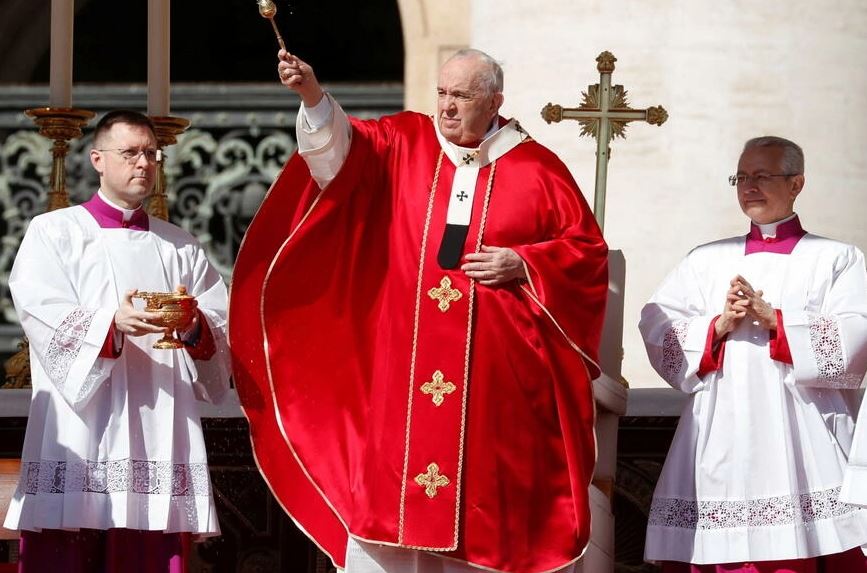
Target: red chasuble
point(403, 403)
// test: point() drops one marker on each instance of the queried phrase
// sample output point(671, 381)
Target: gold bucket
point(176, 309)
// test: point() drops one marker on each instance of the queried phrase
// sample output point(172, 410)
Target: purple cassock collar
point(109, 217)
point(783, 243)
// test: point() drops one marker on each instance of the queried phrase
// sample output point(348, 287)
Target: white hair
point(492, 79)
point(793, 155)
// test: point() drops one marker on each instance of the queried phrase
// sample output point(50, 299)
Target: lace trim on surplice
point(672, 350)
point(98, 372)
point(131, 476)
point(729, 514)
point(66, 343)
point(828, 352)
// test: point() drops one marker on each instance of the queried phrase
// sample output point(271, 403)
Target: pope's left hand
point(494, 266)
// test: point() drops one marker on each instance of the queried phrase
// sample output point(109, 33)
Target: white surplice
point(756, 465)
point(113, 442)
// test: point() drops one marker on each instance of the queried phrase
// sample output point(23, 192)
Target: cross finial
point(605, 62)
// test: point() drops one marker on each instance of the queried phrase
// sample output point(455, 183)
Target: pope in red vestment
point(398, 396)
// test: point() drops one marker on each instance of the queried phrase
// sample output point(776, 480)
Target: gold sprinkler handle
point(267, 9)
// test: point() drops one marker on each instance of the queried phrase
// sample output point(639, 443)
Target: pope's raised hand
point(298, 76)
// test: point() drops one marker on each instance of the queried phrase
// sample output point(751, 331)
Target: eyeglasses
point(131, 156)
point(759, 180)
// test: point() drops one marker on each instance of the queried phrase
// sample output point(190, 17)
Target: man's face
point(765, 196)
point(465, 110)
point(125, 183)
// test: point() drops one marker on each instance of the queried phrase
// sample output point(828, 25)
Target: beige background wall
point(432, 31)
point(725, 71)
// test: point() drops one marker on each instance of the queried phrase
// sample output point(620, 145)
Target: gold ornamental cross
point(438, 388)
point(431, 480)
point(445, 294)
point(603, 114)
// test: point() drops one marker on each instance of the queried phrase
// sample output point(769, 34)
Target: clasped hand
point(742, 300)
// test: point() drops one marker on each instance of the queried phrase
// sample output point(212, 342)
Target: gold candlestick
point(59, 124)
point(267, 9)
point(167, 129)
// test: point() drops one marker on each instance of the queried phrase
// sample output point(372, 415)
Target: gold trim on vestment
point(425, 232)
point(271, 383)
point(471, 304)
point(468, 347)
point(244, 411)
point(266, 345)
point(574, 346)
